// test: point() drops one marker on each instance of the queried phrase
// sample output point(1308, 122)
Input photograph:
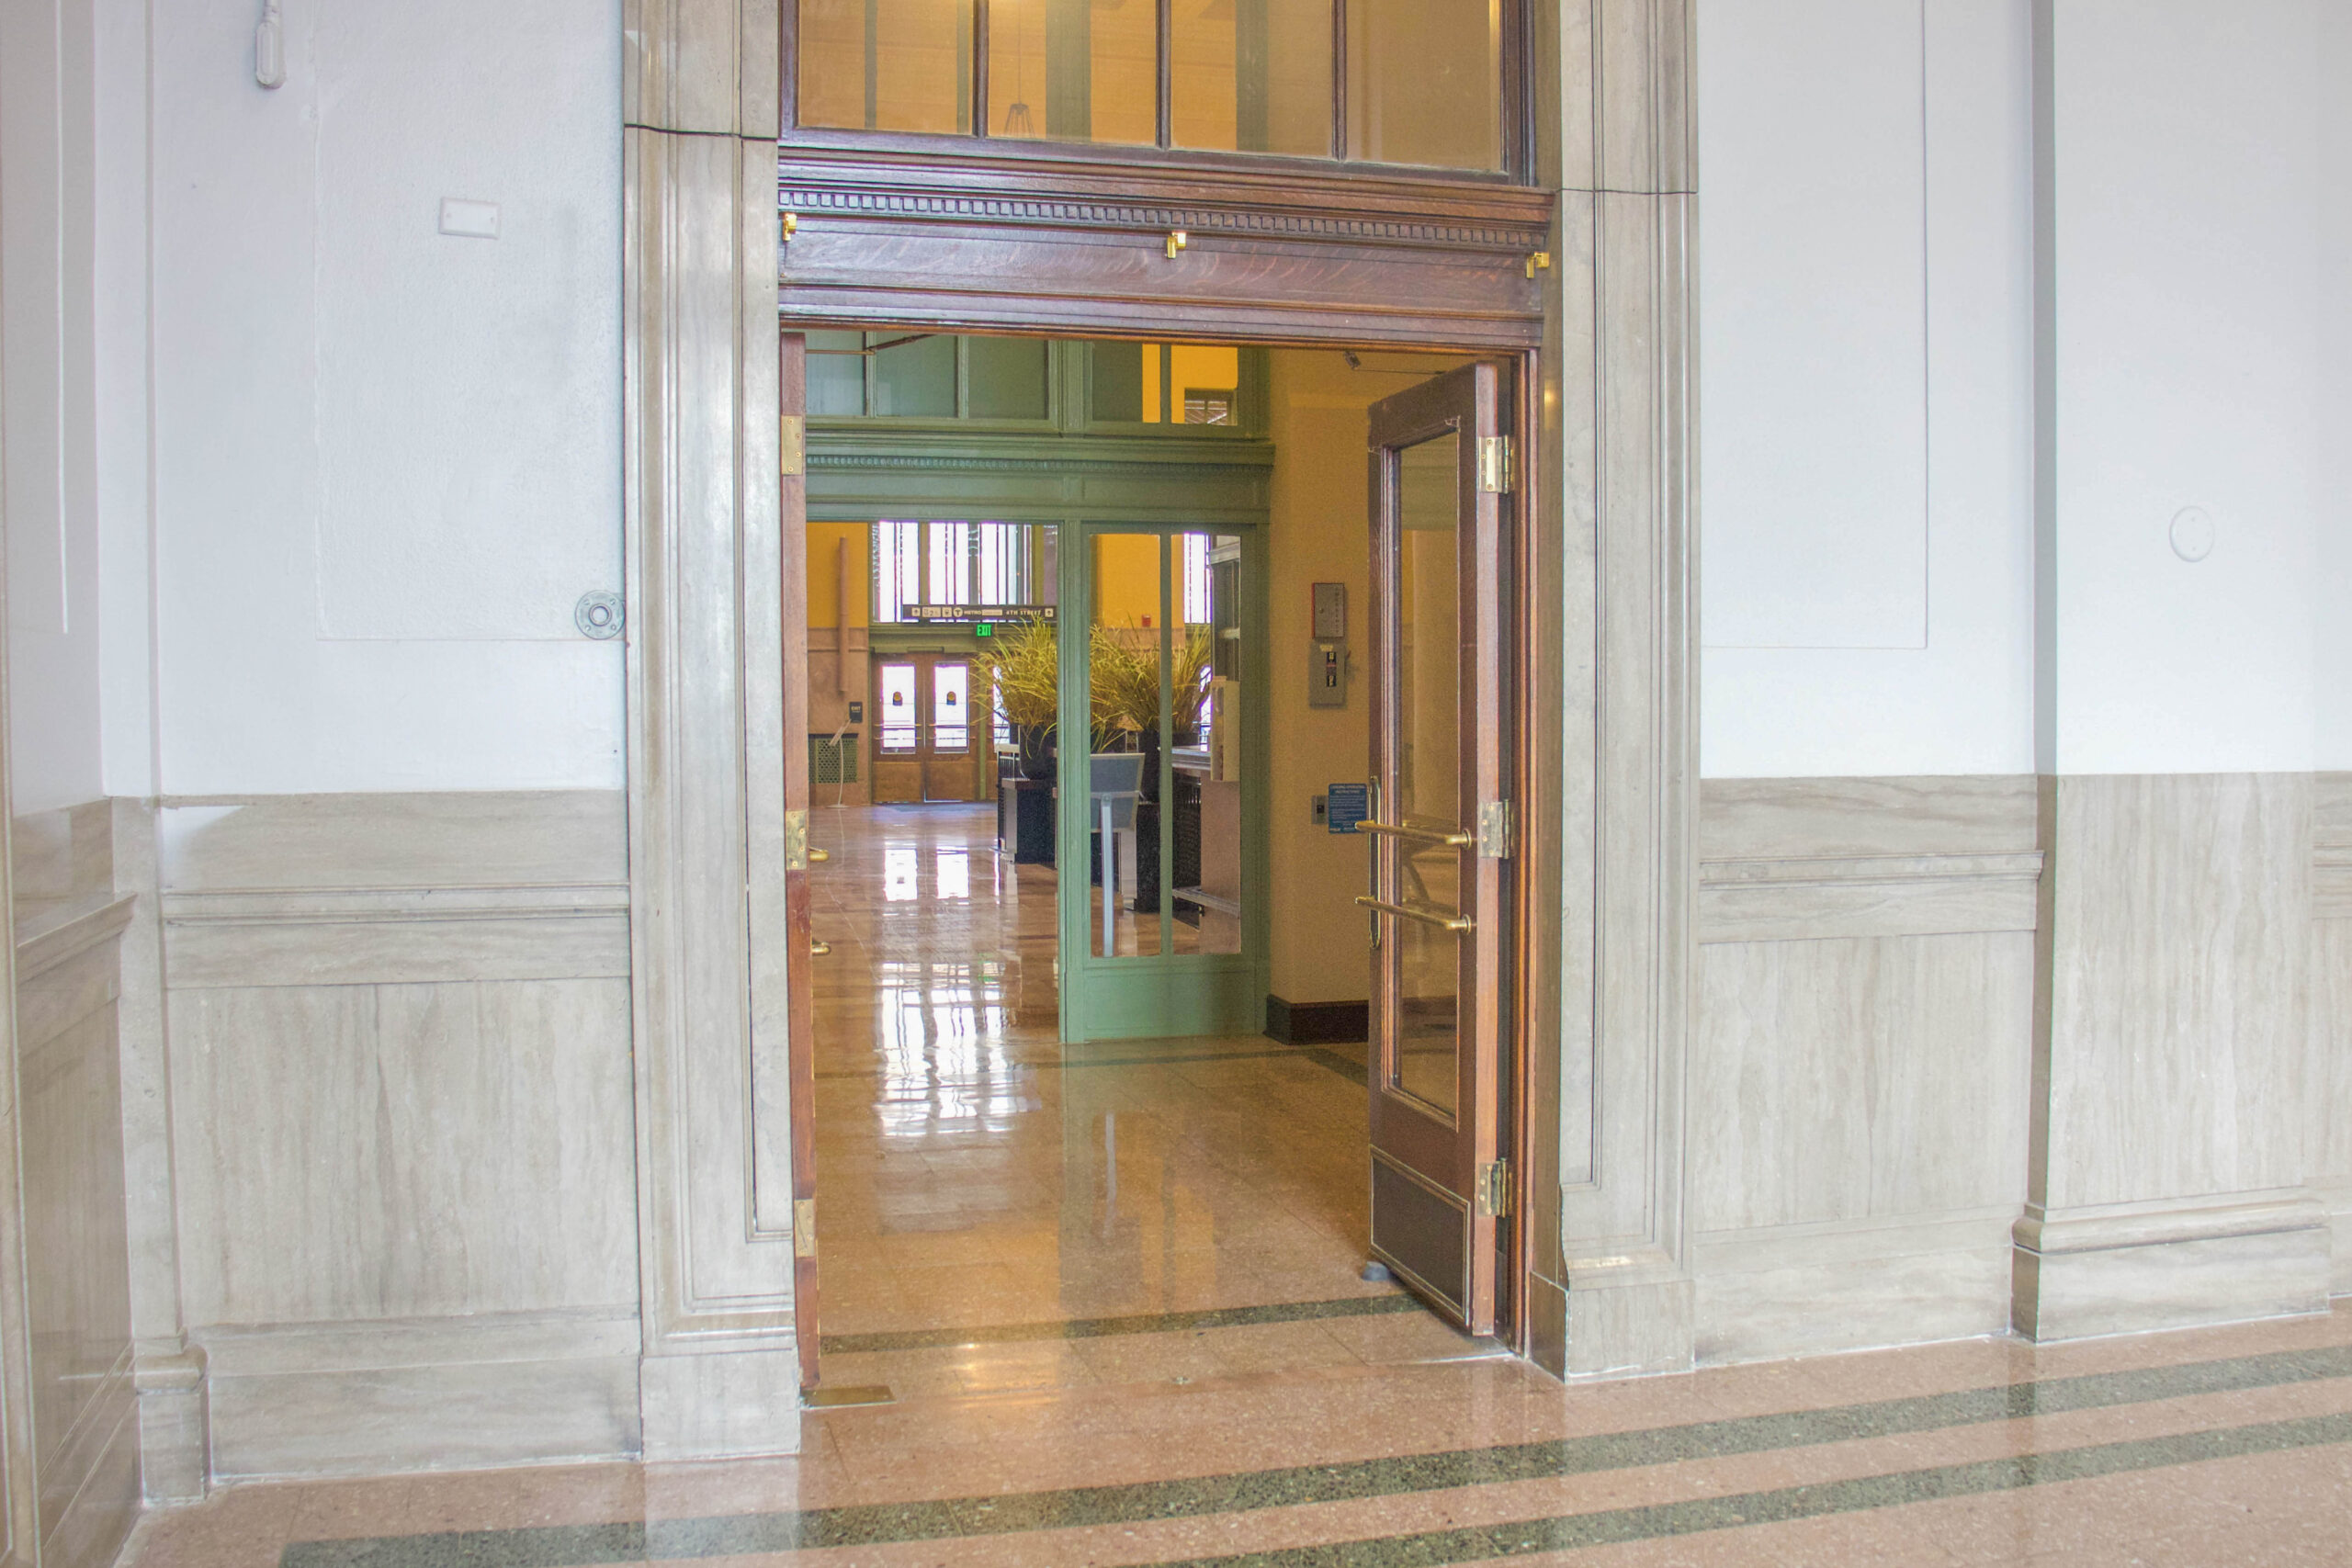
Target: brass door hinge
point(1494, 465)
point(804, 1227)
point(1494, 831)
point(794, 431)
point(1494, 1188)
point(795, 839)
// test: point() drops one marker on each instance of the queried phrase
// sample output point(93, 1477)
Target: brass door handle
point(1426, 914)
point(1427, 835)
point(815, 855)
point(819, 949)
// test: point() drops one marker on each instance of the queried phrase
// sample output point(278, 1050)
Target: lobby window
point(902, 374)
point(933, 571)
point(1161, 383)
point(1402, 82)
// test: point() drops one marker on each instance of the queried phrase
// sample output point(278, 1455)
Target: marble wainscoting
point(2172, 1173)
point(2331, 1015)
point(1860, 1055)
point(68, 1227)
point(400, 1127)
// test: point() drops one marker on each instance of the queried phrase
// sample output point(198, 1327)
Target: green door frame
point(1167, 994)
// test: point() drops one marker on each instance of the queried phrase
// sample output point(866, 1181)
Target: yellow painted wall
point(1126, 580)
point(1190, 366)
point(1319, 531)
point(824, 597)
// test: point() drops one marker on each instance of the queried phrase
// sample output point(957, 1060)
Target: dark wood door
point(1441, 835)
point(929, 742)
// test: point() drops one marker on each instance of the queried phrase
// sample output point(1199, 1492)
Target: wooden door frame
point(1531, 1074)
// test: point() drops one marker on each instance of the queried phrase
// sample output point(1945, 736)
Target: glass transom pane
point(1425, 83)
point(886, 64)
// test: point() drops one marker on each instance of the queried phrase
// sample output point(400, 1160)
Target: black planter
point(1147, 743)
point(1038, 752)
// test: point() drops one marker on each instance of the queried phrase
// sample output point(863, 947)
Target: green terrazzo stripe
point(1569, 1532)
point(1105, 1328)
point(949, 1519)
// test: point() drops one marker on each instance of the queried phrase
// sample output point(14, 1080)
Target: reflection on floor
point(2207, 1449)
point(1000, 1212)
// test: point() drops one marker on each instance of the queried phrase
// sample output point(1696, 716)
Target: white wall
point(48, 461)
point(387, 461)
point(1865, 387)
point(2187, 374)
point(2333, 705)
point(124, 424)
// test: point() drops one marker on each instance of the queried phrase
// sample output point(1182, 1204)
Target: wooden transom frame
point(981, 243)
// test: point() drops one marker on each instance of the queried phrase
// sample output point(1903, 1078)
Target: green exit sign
point(984, 629)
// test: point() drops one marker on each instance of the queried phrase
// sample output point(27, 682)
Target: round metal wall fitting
point(2192, 533)
point(598, 615)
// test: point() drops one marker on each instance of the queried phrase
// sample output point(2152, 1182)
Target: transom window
point(926, 572)
point(1412, 82)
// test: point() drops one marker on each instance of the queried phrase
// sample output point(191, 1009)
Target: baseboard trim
point(738, 1404)
point(1782, 1291)
point(2335, 1200)
point(411, 1394)
point(2131, 1268)
point(1317, 1023)
point(1629, 1314)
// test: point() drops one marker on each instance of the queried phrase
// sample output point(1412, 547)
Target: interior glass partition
point(1158, 643)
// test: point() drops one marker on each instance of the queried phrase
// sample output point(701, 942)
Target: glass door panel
point(951, 734)
point(901, 726)
point(1426, 796)
point(1207, 774)
point(1126, 643)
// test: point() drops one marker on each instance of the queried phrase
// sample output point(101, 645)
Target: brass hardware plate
point(804, 1227)
point(795, 839)
point(1494, 1188)
point(794, 447)
point(1539, 261)
point(1494, 465)
point(1427, 915)
point(791, 226)
point(1494, 831)
point(1177, 241)
point(1427, 835)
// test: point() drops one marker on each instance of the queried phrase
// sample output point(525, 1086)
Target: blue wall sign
point(1348, 804)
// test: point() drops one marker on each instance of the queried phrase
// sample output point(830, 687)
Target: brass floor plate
point(849, 1394)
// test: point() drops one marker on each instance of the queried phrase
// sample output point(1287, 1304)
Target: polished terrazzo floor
point(998, 1211)
point(2200, 1449)
point(1112, 1292)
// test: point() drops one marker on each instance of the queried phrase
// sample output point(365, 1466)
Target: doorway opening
point(1157, 1035)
